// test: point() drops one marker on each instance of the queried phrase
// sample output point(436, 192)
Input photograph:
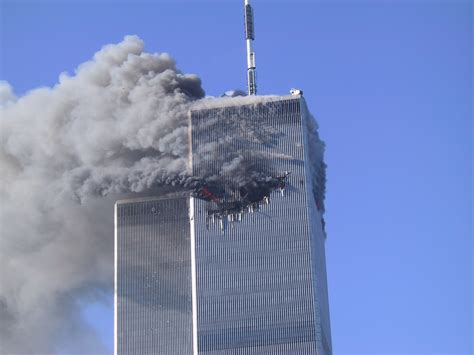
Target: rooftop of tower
point(217, 102)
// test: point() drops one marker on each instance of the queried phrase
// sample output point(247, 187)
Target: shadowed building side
point(153, 297)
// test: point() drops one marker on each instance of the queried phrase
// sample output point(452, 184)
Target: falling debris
point(119, 125)
point(247, 198)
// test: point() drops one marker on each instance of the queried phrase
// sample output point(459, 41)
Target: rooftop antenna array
point(249, 37)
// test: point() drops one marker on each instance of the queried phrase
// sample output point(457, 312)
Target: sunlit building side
point(261, 285)
point(152, 276)
point(196, 276)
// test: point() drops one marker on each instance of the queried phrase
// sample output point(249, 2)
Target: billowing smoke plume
point(117, 125)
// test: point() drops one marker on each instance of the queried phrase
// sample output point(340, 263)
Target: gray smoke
point(118, 125)
point(242, 164)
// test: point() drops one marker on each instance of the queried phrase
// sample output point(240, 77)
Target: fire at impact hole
point(247, 198)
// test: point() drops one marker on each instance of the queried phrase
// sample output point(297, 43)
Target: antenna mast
point(250, 36)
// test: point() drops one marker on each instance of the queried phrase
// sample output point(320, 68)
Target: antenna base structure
point(249, 37)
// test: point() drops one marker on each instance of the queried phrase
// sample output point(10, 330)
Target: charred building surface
point(228, 202)
point(261, 286)
point(233, 263)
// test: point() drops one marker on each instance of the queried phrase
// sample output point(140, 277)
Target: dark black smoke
point(118, 126)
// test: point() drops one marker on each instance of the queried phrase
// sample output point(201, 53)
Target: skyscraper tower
point(200, 273)
point(235, 264)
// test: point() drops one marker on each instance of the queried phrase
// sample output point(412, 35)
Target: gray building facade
point(153, 295)
point(243, 282)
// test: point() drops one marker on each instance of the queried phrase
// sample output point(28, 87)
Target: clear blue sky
point(390, 83)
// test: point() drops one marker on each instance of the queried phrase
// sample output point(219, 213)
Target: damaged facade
point(247, 198)
point(244, 282)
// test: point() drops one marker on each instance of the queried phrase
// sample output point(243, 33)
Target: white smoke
point(117, 125)
point(7, 96)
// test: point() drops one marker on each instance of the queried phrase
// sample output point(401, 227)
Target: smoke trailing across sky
point(118, 126)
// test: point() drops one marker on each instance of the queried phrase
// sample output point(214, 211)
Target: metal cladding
point(184, 285)
point(153, 306)
point(261, 280)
